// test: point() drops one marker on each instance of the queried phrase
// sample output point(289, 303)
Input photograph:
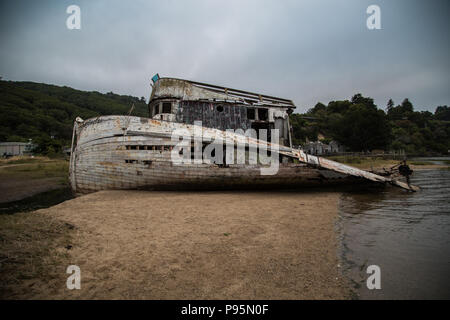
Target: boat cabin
point(218, 107)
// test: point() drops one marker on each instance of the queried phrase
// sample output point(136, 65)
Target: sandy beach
point(176, 245)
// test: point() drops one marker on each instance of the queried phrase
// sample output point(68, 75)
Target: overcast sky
point(308, 51)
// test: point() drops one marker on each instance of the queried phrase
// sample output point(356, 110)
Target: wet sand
point(183, 245)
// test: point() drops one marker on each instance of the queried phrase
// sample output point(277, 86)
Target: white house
point(16, 148)
point(320, 148)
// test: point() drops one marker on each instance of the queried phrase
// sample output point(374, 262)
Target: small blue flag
point(155, 78)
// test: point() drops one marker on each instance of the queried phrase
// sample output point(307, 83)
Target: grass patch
point(419, 163)
point(32, 254)
point(38, 170)
point(22, 160)
point(365, 162)
point(346, 159)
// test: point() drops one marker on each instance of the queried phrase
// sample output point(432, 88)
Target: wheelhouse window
point(263, 114)
point(167, 107)
point(156, 109)
point(251, 114)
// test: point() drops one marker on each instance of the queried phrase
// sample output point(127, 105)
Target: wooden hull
point(118, 152)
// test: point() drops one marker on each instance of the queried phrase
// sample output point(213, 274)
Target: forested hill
point(45, 113)
point(361, 126)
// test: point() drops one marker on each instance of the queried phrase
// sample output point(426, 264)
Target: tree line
point(361, 126)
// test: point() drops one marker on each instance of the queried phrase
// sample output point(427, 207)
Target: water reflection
point(406, 234)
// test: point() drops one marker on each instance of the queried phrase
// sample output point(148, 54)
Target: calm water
point(406, 234)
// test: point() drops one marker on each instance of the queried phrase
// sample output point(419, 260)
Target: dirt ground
point(23, 177)
point(18, 188)
point(184, 245)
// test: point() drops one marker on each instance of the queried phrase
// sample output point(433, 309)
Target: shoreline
point(194, 245)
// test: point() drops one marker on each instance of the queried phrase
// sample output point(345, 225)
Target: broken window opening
point(251, 114)
point(263, 114)
point(167, 107)
point(156, 109)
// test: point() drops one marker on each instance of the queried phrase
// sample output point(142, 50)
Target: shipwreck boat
point(201, 136)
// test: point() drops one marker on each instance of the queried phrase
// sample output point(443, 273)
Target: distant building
point(320, 148)
point(336, 147)
point(316, 148)
point(16, 148)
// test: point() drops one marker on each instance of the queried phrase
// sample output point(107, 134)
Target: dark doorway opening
point(264, 126)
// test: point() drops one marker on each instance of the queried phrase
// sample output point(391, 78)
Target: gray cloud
point(308, 51)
